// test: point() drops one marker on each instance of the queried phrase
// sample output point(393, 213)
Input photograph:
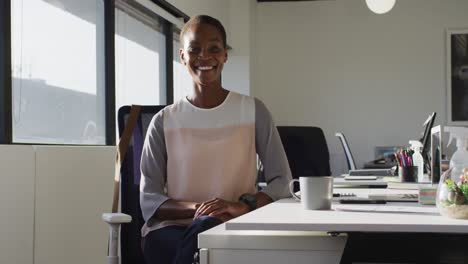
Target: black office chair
point(130, 244)
point(306, 149)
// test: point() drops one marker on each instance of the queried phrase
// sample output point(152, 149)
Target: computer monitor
point(426, 141)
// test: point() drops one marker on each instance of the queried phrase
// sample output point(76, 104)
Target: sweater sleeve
point(271, 153)
point(153, 168)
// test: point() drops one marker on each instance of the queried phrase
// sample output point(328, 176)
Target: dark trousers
point(176, 244)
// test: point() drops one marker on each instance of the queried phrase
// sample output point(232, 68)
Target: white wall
point(336, 65)
point(215, 8)
point(238, 69)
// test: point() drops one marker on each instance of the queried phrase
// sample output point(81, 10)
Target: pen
point(403, 158)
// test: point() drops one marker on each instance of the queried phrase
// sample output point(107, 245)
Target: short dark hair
point(204, 19)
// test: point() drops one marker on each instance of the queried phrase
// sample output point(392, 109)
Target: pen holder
point(409, 174)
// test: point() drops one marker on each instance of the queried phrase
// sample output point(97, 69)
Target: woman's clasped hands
point(221, 209)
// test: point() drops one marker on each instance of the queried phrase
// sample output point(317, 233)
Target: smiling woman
point(198, 166)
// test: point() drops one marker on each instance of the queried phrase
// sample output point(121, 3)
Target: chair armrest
point(116, 218)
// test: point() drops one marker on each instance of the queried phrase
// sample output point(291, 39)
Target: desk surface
point(288, 215)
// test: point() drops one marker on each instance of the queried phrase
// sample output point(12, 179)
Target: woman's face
point(203, 53)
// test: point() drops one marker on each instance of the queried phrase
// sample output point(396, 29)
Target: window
point(58, 85)
point(61, 57)
point(140, 59)
point(182, 80)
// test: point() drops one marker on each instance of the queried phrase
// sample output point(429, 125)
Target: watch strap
point(250, 200)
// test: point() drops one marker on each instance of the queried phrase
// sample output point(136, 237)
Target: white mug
point(316, 192)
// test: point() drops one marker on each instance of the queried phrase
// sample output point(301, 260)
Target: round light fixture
point(380, 6)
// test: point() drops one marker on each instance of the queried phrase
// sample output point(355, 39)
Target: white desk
point(288, 215)
point(281, 228)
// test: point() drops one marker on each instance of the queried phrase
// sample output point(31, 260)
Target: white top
point(195, 154)
point(288, 215)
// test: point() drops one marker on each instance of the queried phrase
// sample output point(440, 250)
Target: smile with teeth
point(205, 68)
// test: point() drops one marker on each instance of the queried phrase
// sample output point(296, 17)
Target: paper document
point(387, 208)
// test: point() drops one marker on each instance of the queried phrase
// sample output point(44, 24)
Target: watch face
point(250, 200)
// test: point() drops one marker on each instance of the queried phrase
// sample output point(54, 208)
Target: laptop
point(352, 166)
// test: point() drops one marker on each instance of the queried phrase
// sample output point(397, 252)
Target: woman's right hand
point(223, 217)
point(219, 207)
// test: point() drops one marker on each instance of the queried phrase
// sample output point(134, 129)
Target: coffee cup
point(316, 192)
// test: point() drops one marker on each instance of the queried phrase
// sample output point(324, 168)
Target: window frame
point(109, 71)
point(5, 73)
point(167, 31)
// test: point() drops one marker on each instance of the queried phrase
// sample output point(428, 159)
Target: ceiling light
point(380, 6)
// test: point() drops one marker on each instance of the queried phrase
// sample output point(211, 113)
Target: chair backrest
point(306, 149)
point(130, 245)
point(347, 151)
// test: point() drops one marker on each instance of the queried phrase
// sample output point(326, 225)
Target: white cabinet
point(16, 204)
point(51, 201)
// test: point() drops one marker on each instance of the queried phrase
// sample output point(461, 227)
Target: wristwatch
point(250, 200)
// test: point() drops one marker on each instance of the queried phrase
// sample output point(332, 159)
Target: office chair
point(306, 149)
point(130, 184)
point(352, 166)
point(347, 151)
point(130, 242)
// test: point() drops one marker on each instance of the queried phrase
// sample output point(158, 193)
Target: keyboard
point(395, 197)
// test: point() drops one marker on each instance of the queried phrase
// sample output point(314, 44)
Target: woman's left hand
point(218, 207)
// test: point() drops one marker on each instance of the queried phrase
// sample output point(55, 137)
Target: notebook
point(359, 178)
point(395, 197)
point(407, 185)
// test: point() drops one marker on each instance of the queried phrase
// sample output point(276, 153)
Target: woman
point(199, 158)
